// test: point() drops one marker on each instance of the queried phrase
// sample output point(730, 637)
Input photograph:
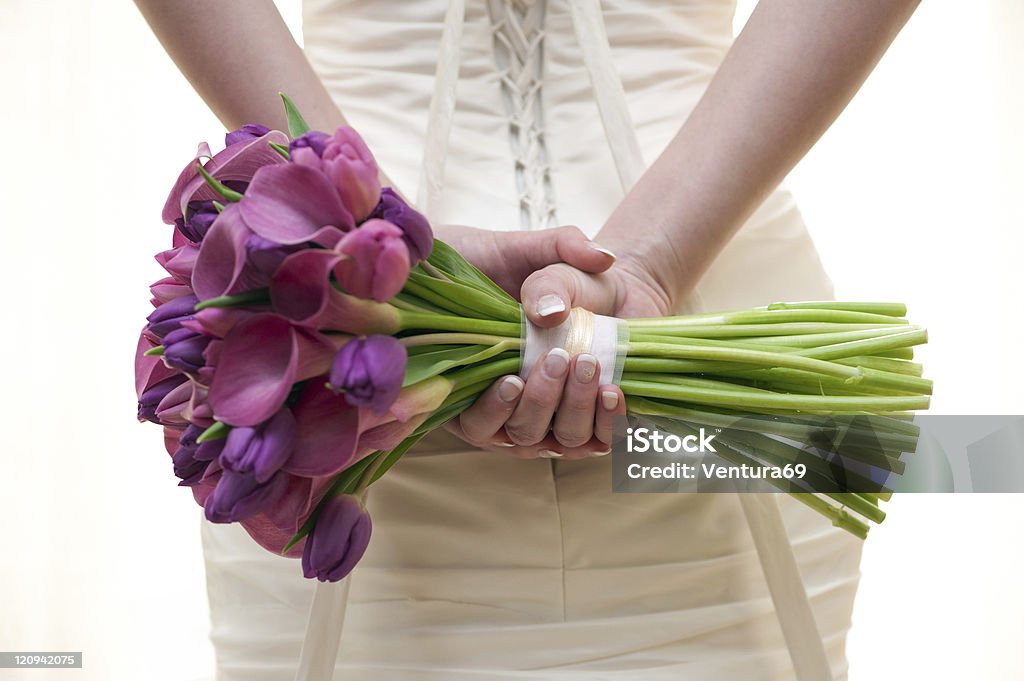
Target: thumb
point(550, 293)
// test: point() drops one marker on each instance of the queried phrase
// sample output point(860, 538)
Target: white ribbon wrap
point(607, 338)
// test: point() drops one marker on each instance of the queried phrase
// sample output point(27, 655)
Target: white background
point(914, 195)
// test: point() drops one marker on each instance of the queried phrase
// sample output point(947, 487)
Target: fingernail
point(504, 444)
point(586, 367)
point(604, 453)
point(548, 454)
point(609, 400)
point(556, 363)
point(600, 249)
point(550, 304)
point(510, 388)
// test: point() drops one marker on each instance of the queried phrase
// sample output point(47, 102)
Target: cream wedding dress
point(483, 567)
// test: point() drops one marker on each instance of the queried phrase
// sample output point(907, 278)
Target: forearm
point(238, 54)
point(790, 73)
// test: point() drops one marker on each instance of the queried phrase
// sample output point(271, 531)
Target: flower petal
point(255, 372)
point(221, 258)
point(301, 291)
point(237, 163)
point(326, 432)
point(172, 207)
point(292, 203)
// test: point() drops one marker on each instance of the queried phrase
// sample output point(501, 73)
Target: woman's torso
point(484, 567)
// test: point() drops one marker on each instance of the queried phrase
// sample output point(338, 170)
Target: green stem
point(740, 400)
point(433, 322)
point(459, 339)
point(483, 372)
point(671, 326)
point(260, 295)
point(756, 357)
point(368, 474)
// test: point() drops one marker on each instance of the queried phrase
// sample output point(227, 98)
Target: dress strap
point(442, 109)
point(592, 35)
point(792, 607)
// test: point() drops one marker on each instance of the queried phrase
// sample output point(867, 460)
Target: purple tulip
point(377, 262)
point(262, 450)
point(415, 229)
point(189, 465)
point(239, 496)
point(246, 133)
point(263, 257)
point(152, 396)
point(369, 371)
point(170, 315)
point(308, 148)
point(338, 540)
point(200, 215)
point(184, 348)
point(347, 161)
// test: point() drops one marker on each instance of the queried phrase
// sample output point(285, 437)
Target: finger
point(561, 244)
point(610, 403)
point(574, 420)
point(488, 414)
point(548, 294)
point(574, 248)
point(531, 418)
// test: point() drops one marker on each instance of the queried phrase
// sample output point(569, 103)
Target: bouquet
point(310, 330)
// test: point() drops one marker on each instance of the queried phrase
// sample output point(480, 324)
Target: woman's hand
point(561, 411)
point(519, 418)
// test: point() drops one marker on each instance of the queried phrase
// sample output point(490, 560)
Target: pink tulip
point(376, 263)
point(346, 160)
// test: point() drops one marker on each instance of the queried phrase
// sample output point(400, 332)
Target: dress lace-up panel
point(518, 27)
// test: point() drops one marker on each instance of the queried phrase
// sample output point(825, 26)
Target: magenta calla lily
point(259, 361)
point(326, 432)
point(223, 266)
point(237, 163)
point(271, 537)
point(173, 207)
point(149, 369)
point(294, 204)
point(301, 290)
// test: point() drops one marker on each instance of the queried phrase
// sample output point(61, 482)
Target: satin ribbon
point(607, 338)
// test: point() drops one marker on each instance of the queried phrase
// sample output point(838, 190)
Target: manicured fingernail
point(550, 304)
point(504, 444)
point(600, 249)
point(556, 363)
point(586, 367)
point(609, 400)
point(604, 453)
point(548, 454)
point(510, 388)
